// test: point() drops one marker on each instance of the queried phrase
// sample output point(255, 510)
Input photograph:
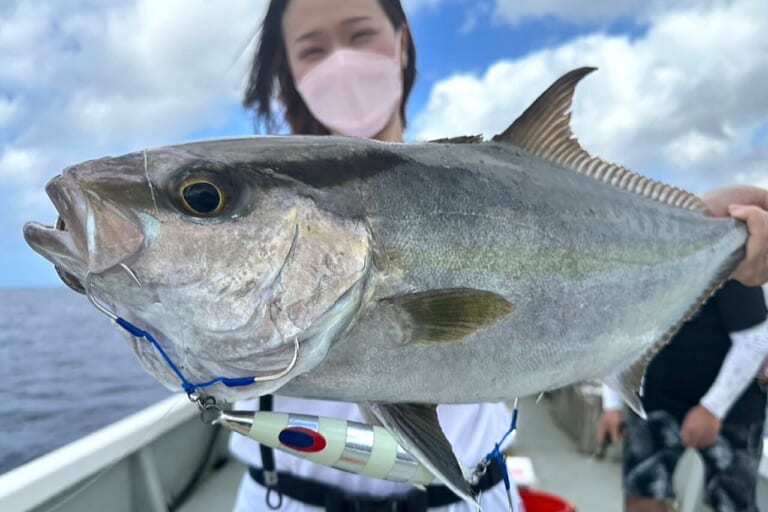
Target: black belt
point(312, 492)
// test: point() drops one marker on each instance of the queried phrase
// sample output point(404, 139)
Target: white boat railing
point(35, 483)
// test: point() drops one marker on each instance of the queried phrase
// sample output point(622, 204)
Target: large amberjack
point(410, 274)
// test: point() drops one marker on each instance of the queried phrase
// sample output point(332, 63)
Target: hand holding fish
point(748, 204)
point(700, 428)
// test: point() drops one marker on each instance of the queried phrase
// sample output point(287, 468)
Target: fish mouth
point(56, 244)
point(91, 234)
point(68, 279)
point(63, 243)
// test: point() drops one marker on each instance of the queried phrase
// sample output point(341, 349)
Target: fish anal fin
point(368, 416)
point(629, 384)
point(417, 429)
point(452, 314)
point(544, 130)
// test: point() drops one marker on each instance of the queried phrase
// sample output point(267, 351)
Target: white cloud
point(19, 167)
point(685, 99)
point(473, 16)
point(80, 82)
point(695, 148)
point(514, 11)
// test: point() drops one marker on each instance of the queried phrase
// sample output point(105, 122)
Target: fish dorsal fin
point(462, 139)
point(544, 129)
point(417, 429)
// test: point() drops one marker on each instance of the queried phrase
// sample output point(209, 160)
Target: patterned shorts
point(653, 447)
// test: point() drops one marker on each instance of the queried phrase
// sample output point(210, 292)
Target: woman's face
point(313, 29)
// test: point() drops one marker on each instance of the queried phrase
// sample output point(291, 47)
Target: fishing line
point(149, 184)
point(498, 455)
point(186, 385)
point(189, 387)
point(251, 41)
point(211, 412)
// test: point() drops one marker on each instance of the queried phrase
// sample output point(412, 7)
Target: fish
point(395, 276)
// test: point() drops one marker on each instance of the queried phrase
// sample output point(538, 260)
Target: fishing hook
point(92, 299)
point(287, 370)
point(235, 382)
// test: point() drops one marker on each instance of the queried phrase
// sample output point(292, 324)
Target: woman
point(346, 67)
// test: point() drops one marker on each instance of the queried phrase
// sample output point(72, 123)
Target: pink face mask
point(354, 92)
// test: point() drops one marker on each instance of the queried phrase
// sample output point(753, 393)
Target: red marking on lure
point(302, 439)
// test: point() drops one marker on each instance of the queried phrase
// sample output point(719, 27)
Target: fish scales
point(586, 266)
point(407, 275)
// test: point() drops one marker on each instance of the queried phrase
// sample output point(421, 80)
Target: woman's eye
point(310, 53)
point(202, 198)
point(363, 36)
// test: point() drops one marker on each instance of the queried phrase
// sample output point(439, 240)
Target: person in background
point(699, 391)
point(346, 67)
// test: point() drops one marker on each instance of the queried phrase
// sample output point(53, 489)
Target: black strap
point(269, 474)
point(318, 494)
point(267, 453)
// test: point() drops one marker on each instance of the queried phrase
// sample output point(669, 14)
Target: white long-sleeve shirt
point(749, 348)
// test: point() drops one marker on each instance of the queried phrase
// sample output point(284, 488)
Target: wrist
point(612, 401)
point(715, 409)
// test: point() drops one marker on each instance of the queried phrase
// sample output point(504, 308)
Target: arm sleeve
point(748, 350)
point(611, 399)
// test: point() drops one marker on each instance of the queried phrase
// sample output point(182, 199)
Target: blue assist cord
point(497, 455)
point(188, 387)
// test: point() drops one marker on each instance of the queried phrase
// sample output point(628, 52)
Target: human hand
point(609, 426)
point(700, 428)
point(748, 204)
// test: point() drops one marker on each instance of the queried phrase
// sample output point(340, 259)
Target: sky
point(680, 93)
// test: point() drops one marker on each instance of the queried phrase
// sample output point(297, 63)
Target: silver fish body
point(596, 277)
point(409, 274)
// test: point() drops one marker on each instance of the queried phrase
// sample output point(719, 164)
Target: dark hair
point(270, 70)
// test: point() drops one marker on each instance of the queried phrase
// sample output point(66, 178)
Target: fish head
point(227, 264)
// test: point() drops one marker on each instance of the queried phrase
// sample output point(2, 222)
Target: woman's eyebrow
point(315, 33)
point(309, 35)
point(352, 21)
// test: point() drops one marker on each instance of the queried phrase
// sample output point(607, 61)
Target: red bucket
point(536, 501)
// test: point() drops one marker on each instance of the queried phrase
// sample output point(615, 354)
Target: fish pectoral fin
point(544, 130)
point(452, 314)
point(417, 429)
point(629, 384)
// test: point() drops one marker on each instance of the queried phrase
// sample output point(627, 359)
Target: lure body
point(346, 445)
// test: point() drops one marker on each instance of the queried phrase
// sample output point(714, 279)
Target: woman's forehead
point(302, 18)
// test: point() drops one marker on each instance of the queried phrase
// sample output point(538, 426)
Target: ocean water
point(65, 371)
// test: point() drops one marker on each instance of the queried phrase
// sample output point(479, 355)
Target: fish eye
point(201, 197)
